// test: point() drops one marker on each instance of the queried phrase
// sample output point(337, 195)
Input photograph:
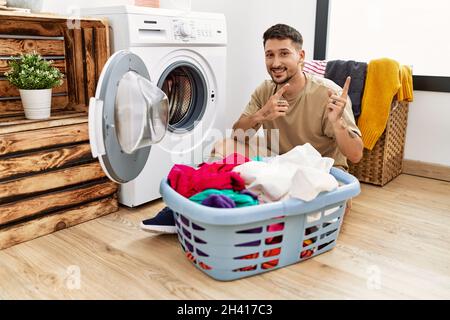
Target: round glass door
point(127, 116)
point(141, 113)
point(186, 89)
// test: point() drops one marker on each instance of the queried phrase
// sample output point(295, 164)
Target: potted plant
point(35, 78)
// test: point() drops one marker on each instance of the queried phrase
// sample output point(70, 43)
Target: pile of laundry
point(237, 181)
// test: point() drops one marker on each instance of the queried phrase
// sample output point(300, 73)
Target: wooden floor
point(395, 243)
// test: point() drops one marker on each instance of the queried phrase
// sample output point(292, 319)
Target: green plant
point(30, 71)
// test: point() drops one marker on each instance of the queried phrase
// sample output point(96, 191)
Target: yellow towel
point(382, 84)
point(406, 92)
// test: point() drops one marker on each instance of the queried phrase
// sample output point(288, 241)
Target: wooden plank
point(19, 114)
point(44, 160)
point(50, 181)
point(25, 16)
point(71, 70)
point(55, 201)
point(88, 34)
point(14, 107)
point(8, 90)
point(61, 118)
point(77, 107)
point(101, 50)
point(86, 22)
point(42, 138)
point(13, 47)
point(15, 234)
point(58, 63)
point(4, 121)
point(79, 66)
point(427, 170)
point(16, 26)
point(80, 72)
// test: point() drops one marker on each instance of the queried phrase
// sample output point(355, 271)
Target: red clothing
point(189, 181)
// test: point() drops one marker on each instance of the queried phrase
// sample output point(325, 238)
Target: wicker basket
point(385, 161)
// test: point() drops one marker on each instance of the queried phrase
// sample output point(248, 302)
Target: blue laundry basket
point(229, 244)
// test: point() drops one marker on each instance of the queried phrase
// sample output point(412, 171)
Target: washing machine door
point(127, 116)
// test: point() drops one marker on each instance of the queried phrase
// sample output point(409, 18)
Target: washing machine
point(160, 99)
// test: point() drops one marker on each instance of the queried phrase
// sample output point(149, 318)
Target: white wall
point(65, 7)
point(428, 131)
point(390, 28)
point(412, 32)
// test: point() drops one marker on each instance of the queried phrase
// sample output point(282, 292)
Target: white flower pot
point(36, 103)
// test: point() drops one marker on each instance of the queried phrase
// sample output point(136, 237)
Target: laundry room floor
point(394, 244)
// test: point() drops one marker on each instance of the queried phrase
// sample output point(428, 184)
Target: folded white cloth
point(300, 173)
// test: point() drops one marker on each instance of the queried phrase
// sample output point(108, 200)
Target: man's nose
point(276, 62)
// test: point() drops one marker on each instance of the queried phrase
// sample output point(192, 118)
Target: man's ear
point(301, 61)
point(302, 55)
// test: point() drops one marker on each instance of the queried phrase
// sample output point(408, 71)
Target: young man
point(294, 108)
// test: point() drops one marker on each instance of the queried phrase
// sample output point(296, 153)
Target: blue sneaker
point(163, 222)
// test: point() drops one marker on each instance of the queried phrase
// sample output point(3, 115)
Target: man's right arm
point(247, 125)
point(253, 121)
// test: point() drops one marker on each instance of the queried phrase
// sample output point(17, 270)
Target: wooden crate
point(48, 178)
point(385, 161)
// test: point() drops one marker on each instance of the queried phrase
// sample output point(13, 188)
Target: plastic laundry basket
point(229, 244)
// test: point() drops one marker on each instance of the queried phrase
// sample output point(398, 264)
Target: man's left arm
point(349, 143)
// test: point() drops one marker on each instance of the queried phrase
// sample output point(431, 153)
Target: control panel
point(187, 30)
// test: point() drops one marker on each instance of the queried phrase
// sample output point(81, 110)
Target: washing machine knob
point(185, 30)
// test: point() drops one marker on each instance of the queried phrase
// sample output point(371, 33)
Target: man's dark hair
point(281, 32)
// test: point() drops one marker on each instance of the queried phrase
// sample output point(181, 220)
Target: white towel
point(300, 173)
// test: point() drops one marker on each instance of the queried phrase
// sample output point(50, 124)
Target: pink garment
point(316, 67)
point(189, 181)
point(275, 227)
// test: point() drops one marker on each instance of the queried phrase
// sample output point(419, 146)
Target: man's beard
point(288, 78)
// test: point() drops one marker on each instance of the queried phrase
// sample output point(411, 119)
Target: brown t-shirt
point(306, 120)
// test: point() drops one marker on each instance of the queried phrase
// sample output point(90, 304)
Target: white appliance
point(184, 55)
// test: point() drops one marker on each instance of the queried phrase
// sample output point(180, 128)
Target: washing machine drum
point(127, 116)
